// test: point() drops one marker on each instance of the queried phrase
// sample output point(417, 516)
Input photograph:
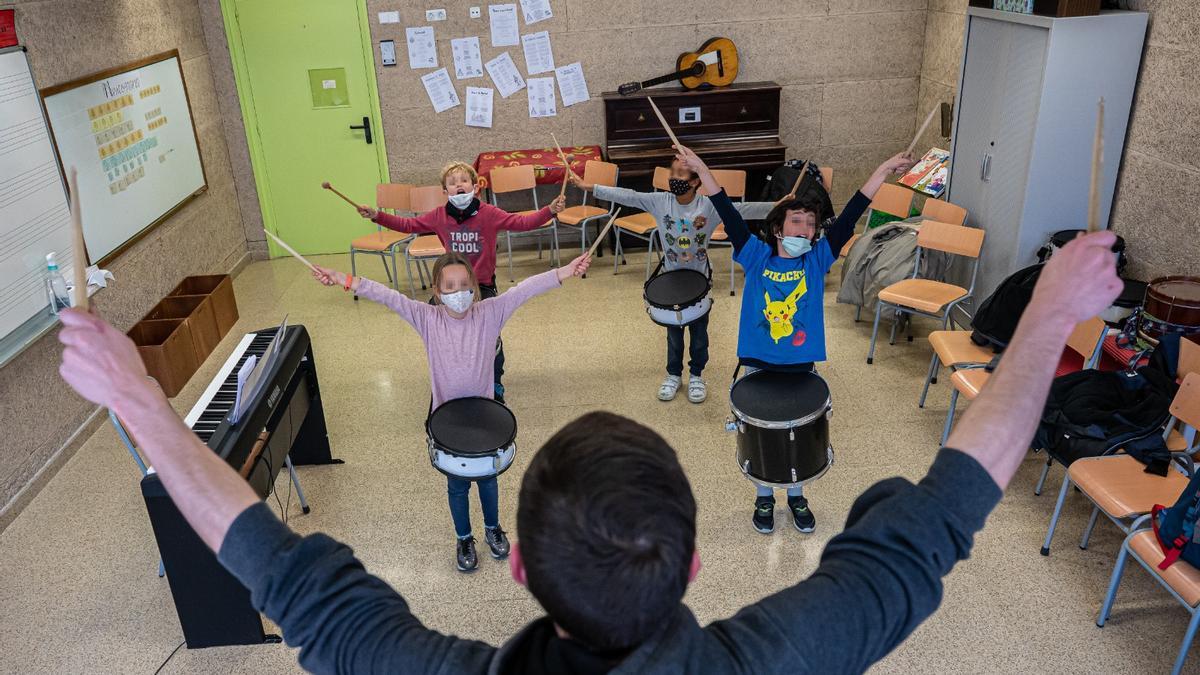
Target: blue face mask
point(796, 246)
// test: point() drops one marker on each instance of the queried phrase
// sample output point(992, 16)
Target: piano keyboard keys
point(216, 402)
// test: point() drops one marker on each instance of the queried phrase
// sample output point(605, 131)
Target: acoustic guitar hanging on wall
point(715, 64)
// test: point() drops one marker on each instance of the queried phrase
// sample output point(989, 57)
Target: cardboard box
point(220, 289)
point(197, 310)
point(167, 349)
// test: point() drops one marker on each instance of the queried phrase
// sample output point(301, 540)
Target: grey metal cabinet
point(1025, 119)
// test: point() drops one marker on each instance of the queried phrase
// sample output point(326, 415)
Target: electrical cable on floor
point(172, 654)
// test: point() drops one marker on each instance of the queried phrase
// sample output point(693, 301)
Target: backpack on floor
point(1176, 528)
point(996, 319)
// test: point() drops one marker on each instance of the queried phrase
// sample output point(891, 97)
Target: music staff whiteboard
point(34, 216)
point(129, 133)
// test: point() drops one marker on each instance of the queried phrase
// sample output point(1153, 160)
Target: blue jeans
point(460, 507)
point(797, 491)
point(698, 349)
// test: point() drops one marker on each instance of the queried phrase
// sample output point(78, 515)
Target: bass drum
point(782, 424)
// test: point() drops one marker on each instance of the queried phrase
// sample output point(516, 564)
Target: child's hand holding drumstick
point(576, 268)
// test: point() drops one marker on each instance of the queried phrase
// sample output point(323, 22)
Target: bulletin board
point(129, 133)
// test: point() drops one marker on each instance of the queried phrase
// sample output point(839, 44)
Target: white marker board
point(129, 132)
point(34, 216)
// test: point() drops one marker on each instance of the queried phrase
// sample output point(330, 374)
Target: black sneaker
point(497, 541)
point(764, 514)
point(466, 557)
point(802, 517)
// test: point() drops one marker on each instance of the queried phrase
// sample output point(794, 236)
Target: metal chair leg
point(874, 334)
point(1062, 497)
point(353, 272)
point(386, 270)
point(618, 253)
point(422, 271)
point(895, 323)
point(1187, 643)
point(296, 482)
point(1037, 491)
point(650, 253)
point(857, 313)
point(1109, 597)
point(395, 272)
point(412, 287)
point(1087, 534)
point(930, 377)
point(949, 416)
point(557, 254)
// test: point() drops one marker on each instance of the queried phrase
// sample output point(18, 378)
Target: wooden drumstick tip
point(326, 185)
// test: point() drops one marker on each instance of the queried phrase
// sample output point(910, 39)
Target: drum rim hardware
point(510, 441)
point(782, 486)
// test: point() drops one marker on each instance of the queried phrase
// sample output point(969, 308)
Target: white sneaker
point(669, 387)
point(697, 391)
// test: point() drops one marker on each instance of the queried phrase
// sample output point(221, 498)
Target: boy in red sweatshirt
point(469, 227)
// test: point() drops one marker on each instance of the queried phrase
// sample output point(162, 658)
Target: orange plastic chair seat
point(638, 223)
point(719, 233)
point(1176, 442)
point(378, 241)
point(922, 294)
point(954, 347)
point(573, 215)
point(850, 244)
point(969, 382)
point(426, 246)
point(1120, 486)
point(1180, 576)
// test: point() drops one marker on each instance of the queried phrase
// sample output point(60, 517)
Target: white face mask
point(462, 201)
point(459, 301)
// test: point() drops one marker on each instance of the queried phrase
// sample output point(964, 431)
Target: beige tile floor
point(78, 592)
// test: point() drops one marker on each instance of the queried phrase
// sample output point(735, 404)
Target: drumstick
point(603, 232)
point(566, 165)
point(662, 120)
point(803, 170)
point(291, 250)
point(924, 126)
point(1093, 221)
point(334, 190)
point(81, 298)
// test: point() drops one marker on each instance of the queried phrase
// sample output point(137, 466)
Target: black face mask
point(679, 186)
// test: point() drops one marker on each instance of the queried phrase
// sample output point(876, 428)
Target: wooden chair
point(426, 247)
point(935, 299)
point(969, 377)
point(1118, 485)
point(511, 179)
point(383, 242)
point(1181, 580)
point(639, 225)
point(944, 212)
point(891, 199)
point(734, 183)
point(580, 217)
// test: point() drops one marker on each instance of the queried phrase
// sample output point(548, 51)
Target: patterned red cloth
point(546, 164)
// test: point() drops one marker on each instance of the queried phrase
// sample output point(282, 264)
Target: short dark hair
point(773, 223)
point(606, 523)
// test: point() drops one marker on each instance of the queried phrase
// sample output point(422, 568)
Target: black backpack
point(996, 319)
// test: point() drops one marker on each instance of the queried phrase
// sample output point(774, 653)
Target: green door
point(306, 76)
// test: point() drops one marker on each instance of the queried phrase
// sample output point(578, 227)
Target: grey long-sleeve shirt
point(684, 229)
point(877, 581)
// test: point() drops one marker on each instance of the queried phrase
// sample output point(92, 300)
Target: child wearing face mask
point(469, 227)
point(459, 332)
point(685, 223)
point(782, 324)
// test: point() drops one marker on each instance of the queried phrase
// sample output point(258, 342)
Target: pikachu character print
point(779, 313)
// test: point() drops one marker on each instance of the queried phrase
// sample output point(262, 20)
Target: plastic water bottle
point(56, 286)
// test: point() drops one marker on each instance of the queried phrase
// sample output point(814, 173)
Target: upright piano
point(734, 127)
point(284, 417)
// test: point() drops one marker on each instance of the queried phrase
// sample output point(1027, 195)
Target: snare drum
point(1172, 305)
point(782, 423)
point(678, 297)
point(472, 438)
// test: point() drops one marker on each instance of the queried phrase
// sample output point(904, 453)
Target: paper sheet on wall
point(505, 31)
point(422, 49)
point(467, 61)
point(538, 56)
point(440, 89)
point(479, 107)
point(536, 10)
point(541, 97)
point(505, 74)
point(389, 17)
point(571, 84)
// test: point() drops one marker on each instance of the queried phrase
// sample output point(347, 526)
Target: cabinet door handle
point(985, 171)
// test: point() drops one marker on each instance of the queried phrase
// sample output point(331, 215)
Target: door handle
point(366, 127)
point(985, 171)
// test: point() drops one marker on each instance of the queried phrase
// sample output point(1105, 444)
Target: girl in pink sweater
point(460, 333)
point(469, 227)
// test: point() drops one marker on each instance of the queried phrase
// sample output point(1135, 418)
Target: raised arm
point(883, 575)
point(840, 231)
point(735, 226)
point(625, 197)
point(422, 224)
point(410, 310)
point(516, 222)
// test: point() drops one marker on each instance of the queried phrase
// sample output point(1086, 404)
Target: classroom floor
point(79, 594)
